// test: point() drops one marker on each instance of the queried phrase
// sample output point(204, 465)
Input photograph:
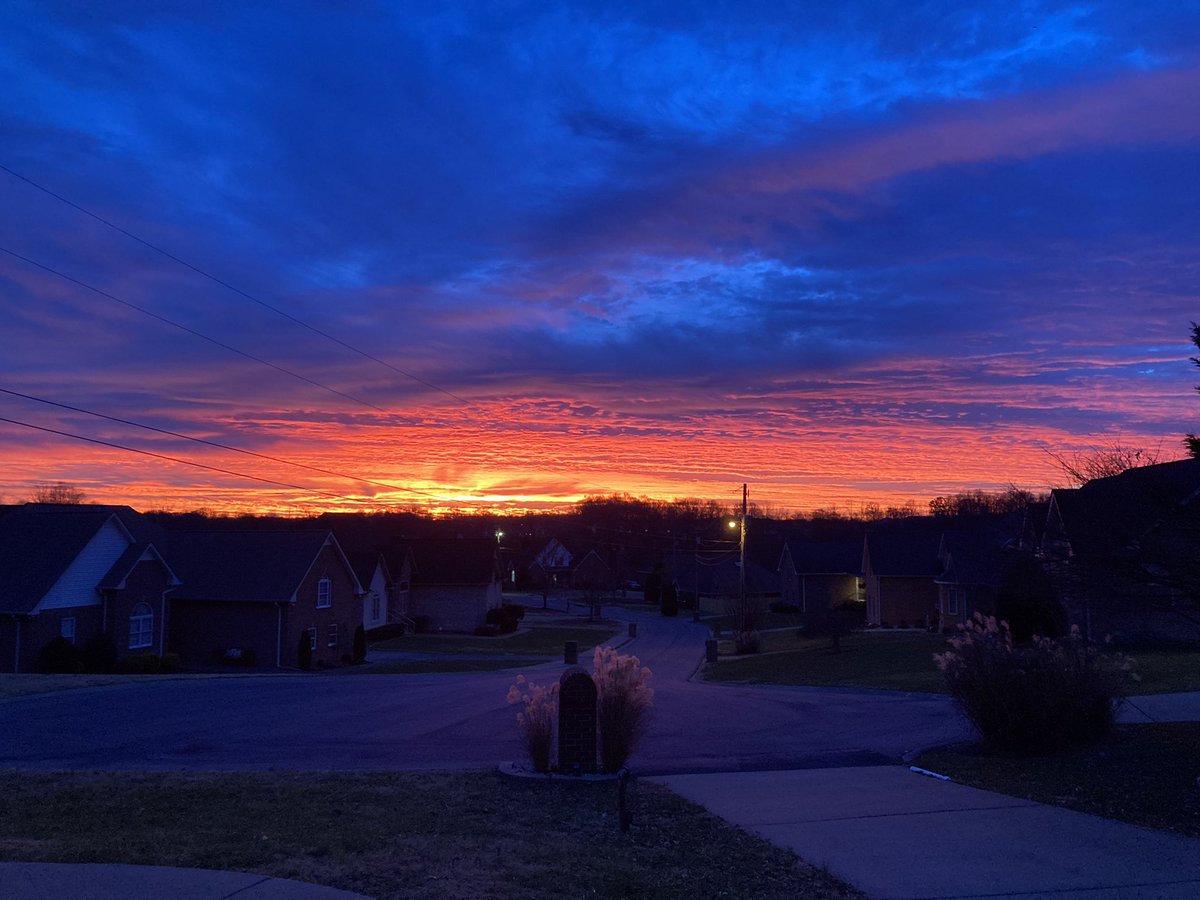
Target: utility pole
point(742, 565)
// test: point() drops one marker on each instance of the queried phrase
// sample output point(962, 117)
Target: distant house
point(255, 594)
point(552, 564)
point(1124, 553)
point(976, 556)
point(821, 575)
point(75, 572)
point(593, 574)
point(376, 580)
point(455, 581)
point(900, 565)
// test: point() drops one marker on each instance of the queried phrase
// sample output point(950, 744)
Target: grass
point(1166, 670)
point(903, 661)
point(900, 661)
point(402, 835)
point(1143, 774)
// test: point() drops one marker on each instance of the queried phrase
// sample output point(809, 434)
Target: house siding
point(146, 583)
point(77, 585)
point(345, 611)
point(37, 631)
point(378, 587)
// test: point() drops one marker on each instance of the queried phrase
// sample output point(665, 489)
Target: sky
point(507, 255)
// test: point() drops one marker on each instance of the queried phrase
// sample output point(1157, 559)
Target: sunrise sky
point(844, 252)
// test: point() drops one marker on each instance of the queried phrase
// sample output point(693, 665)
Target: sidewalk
point(56, 881)
point(897, 835)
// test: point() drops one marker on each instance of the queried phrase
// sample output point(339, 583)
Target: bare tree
point(1082, 466)
point(59, 492)
point(1192, 442)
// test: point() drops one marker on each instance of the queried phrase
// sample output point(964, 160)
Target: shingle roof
point(242, 565)
point(120, 570)
point(454, 560)
point(905, 548)
point(826, 557)
point(37, 543)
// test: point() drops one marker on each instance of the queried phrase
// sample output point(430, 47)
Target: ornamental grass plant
point(1037, 699)
point(623, 704)
point(539, 708)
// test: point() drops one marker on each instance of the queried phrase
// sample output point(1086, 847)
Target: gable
point(79, 584)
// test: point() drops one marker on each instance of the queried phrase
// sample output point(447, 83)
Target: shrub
point(360, 644)
point(504, 617)
point(1039, 699)
point(304, 652)
point(536, 719)
point(623, 702)
point(57, 657)
point(747, 642)
point(99, 654)
point(421, 624)
point(385, 632)
point(171, 663)
point(487, 631)
point(669, 605)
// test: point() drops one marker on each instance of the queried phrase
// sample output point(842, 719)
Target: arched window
point(141, 627)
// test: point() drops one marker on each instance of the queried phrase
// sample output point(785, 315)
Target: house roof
point(905, 548)
point(1112, 517)
point(267, 566)
point(38, 541)
point(121, 569)
point(454, 560)
point(364, 563)
point(826, 557)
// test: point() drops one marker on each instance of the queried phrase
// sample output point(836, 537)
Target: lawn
point(898, 661)
point(903, 661)
point(1143, 774)
point(402, 835)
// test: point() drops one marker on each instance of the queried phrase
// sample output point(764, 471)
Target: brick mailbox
point(576, 722)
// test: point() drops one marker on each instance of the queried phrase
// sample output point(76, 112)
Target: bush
point(304, 652)
point(235, 656)
point(746, 642)
point(57, 657)
point(487, 631)
point(99, 654)
point(670, 600)
point(170, 663)
point(505, 617)
point(360, 644)
point(623, 703)
point(536, 719)
point(421, 624)
point(1032, 700)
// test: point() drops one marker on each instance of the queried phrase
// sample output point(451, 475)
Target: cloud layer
point(846, 254)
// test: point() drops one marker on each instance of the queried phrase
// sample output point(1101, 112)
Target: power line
point(185, 462)
point(217, 444)
point(233, 288)
point(191, 331)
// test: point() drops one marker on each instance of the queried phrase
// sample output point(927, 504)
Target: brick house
point(253, 595)
point(76, 572)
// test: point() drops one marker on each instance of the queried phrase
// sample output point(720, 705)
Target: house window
point(324, 593)
point(332, 635)
point(375, 606)
point(141, 627)
point(952, 602)
point(66, 628)
point(312, 639)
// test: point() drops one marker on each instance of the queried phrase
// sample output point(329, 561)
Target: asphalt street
point(366, 722)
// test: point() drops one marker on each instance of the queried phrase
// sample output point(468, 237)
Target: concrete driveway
point(457, 721)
